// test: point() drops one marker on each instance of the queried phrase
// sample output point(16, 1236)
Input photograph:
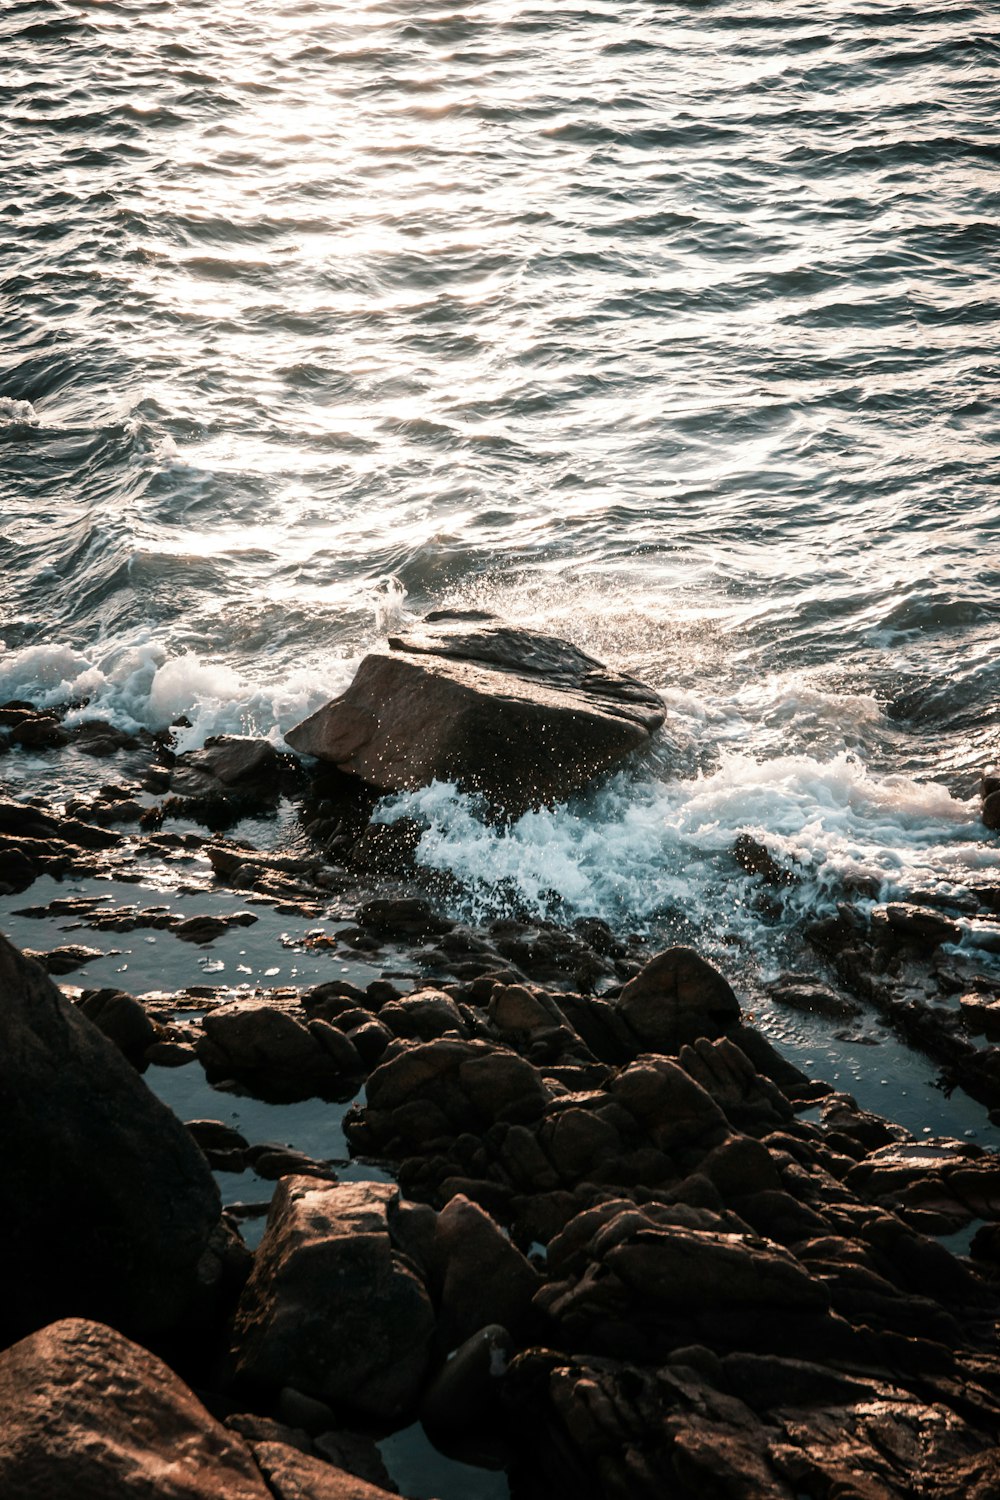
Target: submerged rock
point(522, 718)
point(108, 1207)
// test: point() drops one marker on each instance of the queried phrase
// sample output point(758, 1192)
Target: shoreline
point(569, 1150)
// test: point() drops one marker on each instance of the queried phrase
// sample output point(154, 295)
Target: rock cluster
point(613, 1247)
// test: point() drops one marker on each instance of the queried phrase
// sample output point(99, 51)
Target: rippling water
point(670, 327)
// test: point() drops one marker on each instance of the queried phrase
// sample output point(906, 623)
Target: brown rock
point(86, 1415)
point(292, 1475)
point(273, 1052)
point(483, 1277)
point(677, 998)
point(520, 717)
point(330, 1308)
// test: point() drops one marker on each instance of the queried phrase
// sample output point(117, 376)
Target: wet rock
point(916, 924)
point(330, 1307)
point(677, 998)
point(274, 1162)
point(402, 917)
point(205, 929)
point(991, 797)
point(520, 717)
point(64, 959)
point(386, 851)
point(87, 1415)
point(99, 738)
point(465, 1394)
point(981, 1014)
point(224, 1148)
point(756, 859)
point(39, 732)
point(108, 1205)
point(274, 1053)
point(799, 992)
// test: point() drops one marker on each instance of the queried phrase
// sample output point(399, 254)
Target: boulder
point(276, 1055)
point(483, 1278)
point(330, 1307)
point(524, 719)
point(107, 1205)
point(677, 998)
point(87, 1415)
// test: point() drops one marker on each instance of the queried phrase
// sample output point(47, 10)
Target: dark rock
point(479, 1274)
point(42, 732)
point(65, 959)
point(750, 1101)
point(402, 917)
point(991, 803)
point(274, 1053)
point(677, 998)
point(330, 1307)
point(522, 718)
point(292, 1475)
point(466, 1392)
point(917, 924)
point(234, 759)
point(206, 929)
point(757, 859)
point(672, 1107)
point(123, 1021)
point(798, 992)
point(107, 1204)
point(87, 1415)
point(425, 1014)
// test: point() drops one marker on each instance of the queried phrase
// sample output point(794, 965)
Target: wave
point(147, 686)
point(659, 854)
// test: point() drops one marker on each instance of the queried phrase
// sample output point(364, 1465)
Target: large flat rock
point(522, 718)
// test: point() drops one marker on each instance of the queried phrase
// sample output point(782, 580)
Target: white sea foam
point(17, 413)
point(643, 852)
point(146, 686)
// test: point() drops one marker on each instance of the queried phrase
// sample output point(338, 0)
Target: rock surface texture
point(331, 1308)
point(522, 718)
point(87, 1415)
point(108, 1208)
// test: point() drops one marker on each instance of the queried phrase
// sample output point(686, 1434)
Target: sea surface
point(672, 328)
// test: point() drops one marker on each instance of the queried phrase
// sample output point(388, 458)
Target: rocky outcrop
point(108, 1208)
point(87, 1415)
point(521, 718)
point(331, 1308)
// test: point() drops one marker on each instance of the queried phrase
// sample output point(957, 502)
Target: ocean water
point(672, 328)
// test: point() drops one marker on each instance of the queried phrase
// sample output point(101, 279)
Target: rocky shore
point(590, 1226)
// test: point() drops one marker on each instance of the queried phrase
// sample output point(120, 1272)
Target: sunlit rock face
point(522, 718)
